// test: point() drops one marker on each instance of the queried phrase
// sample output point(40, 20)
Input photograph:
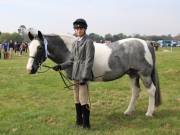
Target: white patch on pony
point(101, 58)
point(32, 52)
point(68, 40)
point(147, 55)
point(123, 42)
point(29, 64)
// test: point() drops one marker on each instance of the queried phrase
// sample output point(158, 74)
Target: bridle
point(38, 59)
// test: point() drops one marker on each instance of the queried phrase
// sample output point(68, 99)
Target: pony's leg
point(151, 106)
point(151, 91)
point(135, 95)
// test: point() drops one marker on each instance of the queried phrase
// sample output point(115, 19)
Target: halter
point(46, 55)
point(46, 50)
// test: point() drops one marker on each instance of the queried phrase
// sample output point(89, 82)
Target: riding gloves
point(57, 68)
point(83, 82)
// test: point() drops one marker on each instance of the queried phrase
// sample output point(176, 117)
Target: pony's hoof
point(128, 113)
point(149, 114)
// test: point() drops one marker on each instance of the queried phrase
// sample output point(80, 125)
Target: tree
point(140, 36)
point(10, 36)
point(119, 36)
point(153, 38)
point(108, 37)
point(177, 37)
point(115, 38)
point(97, 38)
point(4, 36)
point(16, 37)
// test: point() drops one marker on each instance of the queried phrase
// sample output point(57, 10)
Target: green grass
point(39, 105)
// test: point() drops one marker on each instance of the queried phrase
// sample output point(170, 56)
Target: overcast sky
point(103, 16)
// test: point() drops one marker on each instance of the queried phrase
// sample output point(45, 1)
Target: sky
point(145, 17)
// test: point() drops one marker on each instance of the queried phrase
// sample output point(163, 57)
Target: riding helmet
point(80, 23)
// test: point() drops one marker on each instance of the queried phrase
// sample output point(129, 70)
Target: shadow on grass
point(138, 120)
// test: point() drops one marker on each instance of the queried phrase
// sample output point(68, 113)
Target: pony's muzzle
point(31, 70)
point(28, 71)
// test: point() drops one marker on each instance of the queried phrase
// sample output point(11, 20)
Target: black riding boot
point(86, 114)
point(79, 120)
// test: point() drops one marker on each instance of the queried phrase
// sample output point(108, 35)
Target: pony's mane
point(68, 39)
point(51, 35)
point(67, 36)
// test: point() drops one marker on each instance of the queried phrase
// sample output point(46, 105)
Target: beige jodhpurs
point(10, 52)
point(81, 93)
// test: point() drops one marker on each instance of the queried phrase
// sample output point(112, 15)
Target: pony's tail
point(155, 77)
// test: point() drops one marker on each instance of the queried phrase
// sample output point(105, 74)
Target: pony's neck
point(68, 40)
point(59, 47)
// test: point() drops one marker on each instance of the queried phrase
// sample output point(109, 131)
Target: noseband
point(39, 62)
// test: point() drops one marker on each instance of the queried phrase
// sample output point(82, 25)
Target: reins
point(65, 79)
point(48, 68)
point(67, 82)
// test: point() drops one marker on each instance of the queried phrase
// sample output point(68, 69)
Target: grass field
point(39, 105)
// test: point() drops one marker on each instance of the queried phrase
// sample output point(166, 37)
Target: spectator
point(11, 45)
point(26, 47)
point(16, 47)
point(5, 47)
point(22, 48)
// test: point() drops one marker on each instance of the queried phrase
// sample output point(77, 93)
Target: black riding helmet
point(80, 23)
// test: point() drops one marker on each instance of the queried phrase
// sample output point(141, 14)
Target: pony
point(131, 56)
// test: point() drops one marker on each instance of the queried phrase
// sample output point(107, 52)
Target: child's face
point(80, 31)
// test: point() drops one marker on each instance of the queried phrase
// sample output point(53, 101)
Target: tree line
point(112, 38)
point(10, 36)
point(98, 38)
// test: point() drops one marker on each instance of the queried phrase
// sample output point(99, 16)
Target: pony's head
point(37, 52)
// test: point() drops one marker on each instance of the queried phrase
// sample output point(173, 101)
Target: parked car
point(178, 45)
point(166, 43)
point(174, 43)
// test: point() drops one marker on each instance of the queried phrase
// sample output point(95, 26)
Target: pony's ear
point(31, 37)
point(40, 35)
